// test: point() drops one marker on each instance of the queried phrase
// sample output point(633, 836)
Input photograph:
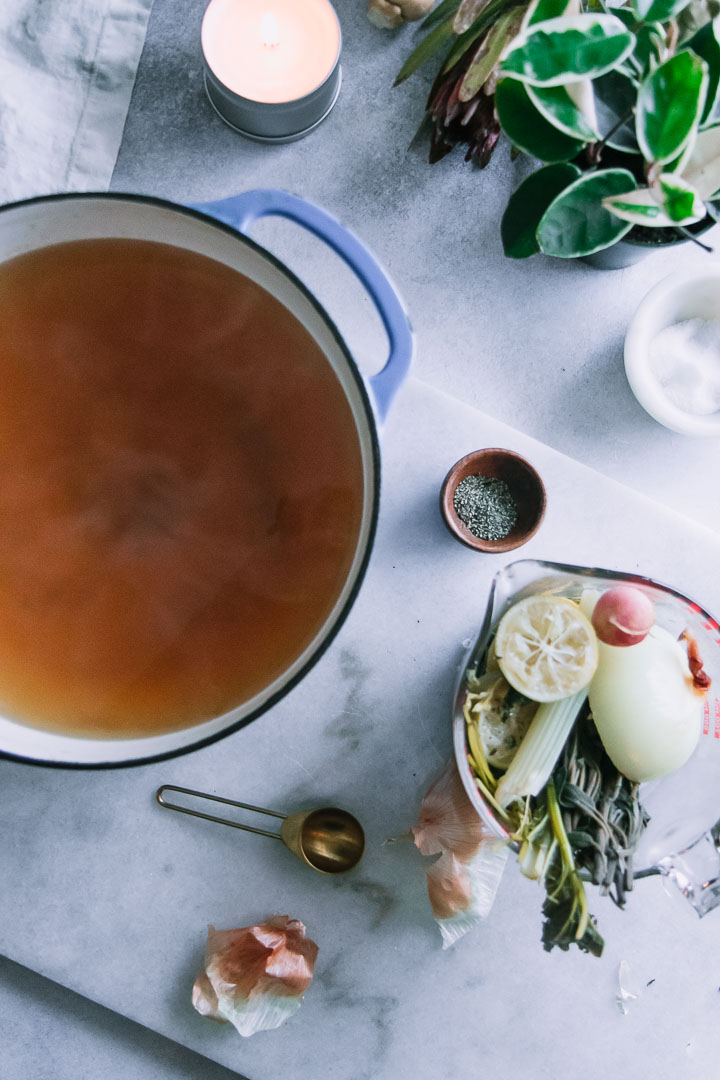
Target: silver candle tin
point(275, 122)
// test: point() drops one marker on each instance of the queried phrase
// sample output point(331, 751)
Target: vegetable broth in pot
point(180, 487)
point(189, 470)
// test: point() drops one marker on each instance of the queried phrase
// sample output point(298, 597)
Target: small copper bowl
point(525, 485)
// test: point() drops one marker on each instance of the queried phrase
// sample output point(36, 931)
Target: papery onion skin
point(255, 976)
point(701, 680)
point(623, 616)
point(205, 1000)
point(448, 821)
point(463, 882)
point(448, 884)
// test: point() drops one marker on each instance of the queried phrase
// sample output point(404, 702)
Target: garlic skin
point(255, 977)
point(389, 15)
point(646, 711)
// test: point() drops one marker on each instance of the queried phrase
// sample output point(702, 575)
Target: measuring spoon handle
point(160, 796)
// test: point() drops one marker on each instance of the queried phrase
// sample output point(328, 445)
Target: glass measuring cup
point(682, 839)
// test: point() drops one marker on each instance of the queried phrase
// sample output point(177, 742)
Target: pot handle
point(242, 211)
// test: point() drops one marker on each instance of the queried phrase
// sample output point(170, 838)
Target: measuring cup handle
point(161, 797)
point(696, 871)
point(242, 211)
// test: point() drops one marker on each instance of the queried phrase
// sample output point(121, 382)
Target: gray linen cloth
point(67, 70)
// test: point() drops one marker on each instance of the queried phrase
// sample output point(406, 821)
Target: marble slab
point(106, 893)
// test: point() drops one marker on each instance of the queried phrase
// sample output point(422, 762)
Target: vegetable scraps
point(593, 699)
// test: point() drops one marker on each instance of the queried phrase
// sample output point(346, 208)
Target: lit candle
point(272, 67)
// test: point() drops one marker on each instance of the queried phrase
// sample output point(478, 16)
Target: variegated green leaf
point(527, 129)
point(650, 46)
point(639, 207)
point(615, 97)
point(706, 44)
point(679, 199)
point(658, 10)
point(677, 165)
point(577, 223)
point(527, 205)
point(541, 10)
point(696, 15)
point(557, 105)
point(702, 170)
point(563, 50)
point(669, 106)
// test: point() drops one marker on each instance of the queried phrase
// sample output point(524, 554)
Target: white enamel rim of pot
point(684, 295)
point(50, 220)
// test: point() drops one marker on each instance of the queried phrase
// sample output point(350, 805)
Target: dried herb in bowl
point(486, 505)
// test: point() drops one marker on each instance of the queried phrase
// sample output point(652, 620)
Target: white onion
point(646, 711)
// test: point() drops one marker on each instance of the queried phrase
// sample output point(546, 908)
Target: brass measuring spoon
point(328, 840)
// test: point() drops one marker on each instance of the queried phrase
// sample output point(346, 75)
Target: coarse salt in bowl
point(667, 371)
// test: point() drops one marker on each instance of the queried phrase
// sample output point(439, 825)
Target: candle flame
point(269, 31)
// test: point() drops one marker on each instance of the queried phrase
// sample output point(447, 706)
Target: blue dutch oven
point(219, 230)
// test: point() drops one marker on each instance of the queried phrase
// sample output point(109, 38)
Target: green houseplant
point(619, 105)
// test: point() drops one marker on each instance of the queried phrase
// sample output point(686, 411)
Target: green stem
point(478, 752)
point(595, 152)
point(557, 824)
point(690, 236)
point(488, 795)
point(567, 855)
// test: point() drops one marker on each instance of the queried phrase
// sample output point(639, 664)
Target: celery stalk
point(537, 755)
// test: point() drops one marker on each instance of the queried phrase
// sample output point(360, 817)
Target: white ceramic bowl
point(693, 295)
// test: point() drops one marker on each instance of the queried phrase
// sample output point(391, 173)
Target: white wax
point(685, 360)
point(271, 50)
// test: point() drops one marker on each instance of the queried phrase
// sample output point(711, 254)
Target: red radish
point(623, 616)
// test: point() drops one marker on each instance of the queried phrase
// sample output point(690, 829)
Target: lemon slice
point(546, 648)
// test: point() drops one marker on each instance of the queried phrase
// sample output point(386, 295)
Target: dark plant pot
point(640, 242)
